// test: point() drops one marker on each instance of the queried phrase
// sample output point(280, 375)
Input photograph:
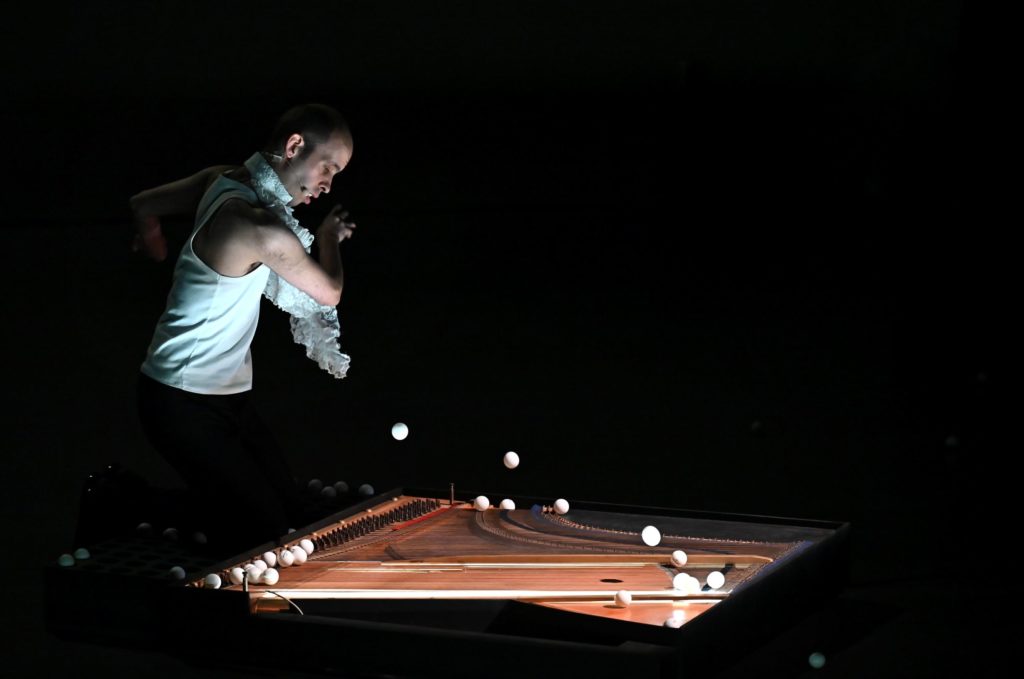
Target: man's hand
point(149, 239)
point(334, 226)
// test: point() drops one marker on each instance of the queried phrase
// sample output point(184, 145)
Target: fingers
point(345, 229)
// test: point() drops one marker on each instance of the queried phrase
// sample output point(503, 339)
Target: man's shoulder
point(239, 211)
point(253, 223)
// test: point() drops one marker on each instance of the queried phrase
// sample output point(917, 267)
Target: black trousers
point(242, 492)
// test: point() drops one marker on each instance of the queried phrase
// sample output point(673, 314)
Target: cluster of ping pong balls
point(264, 569)
point(683, 582)
point(81, 554)
point(511, 461)
point(650, 535)
point(400, 430)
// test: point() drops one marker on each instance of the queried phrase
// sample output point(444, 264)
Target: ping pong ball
point(679, 558)
point(253, 573)
point(715, 579)
point(300, 554)
point(399, 430)
point(212, 580)
point(271, 576)
point(676, 620)
point(270, 558)
point(236, 575)
point(261, 564)
point(507, 504)
point(561, 506)
point(286, 559)
point(511, 460)
point(651, 536)
point(178, 573)
point(307, 545)
point(480, 503)
point(66, 560)
point(685, 583)
point(623, 598)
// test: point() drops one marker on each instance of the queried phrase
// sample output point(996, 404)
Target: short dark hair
point(315, 122)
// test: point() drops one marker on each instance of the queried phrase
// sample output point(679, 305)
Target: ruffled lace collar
point(267, 184)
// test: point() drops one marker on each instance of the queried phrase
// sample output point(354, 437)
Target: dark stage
point(732, 257)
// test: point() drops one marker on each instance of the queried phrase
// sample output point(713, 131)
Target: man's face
point(311, 171)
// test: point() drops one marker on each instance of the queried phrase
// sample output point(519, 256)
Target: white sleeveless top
point(201, 342)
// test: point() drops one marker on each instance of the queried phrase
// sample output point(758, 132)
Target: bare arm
point(282, 251)
point(178, 197)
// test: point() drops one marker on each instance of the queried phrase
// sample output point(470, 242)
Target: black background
point(731, 256)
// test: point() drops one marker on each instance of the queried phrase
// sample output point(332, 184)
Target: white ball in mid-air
point(399, 430)
point(261, 564)
point(480, 503)
point(81, 553)
point(340, 487)
point(199, 537)
point(651, 536)
point(271, 576)
point(66, 560)
point(307, 545)
point(715, 579)
point(270, 558)
point(177, 572)
point(171, 533)
point(679, 558)
point(365, 489)
point(329, 491)
point(511, 460)
point(507, 504)
point(561, 506)
point(286, 559)
point(236, 575)
point(212, 581)
point(315, 485)
point(623, 598)
point(300, 554)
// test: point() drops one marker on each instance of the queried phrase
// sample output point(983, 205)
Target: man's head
point(313, 143)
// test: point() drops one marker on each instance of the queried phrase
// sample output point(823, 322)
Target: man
point(196, 380)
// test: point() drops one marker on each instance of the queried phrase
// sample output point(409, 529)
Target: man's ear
point(293, 146)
